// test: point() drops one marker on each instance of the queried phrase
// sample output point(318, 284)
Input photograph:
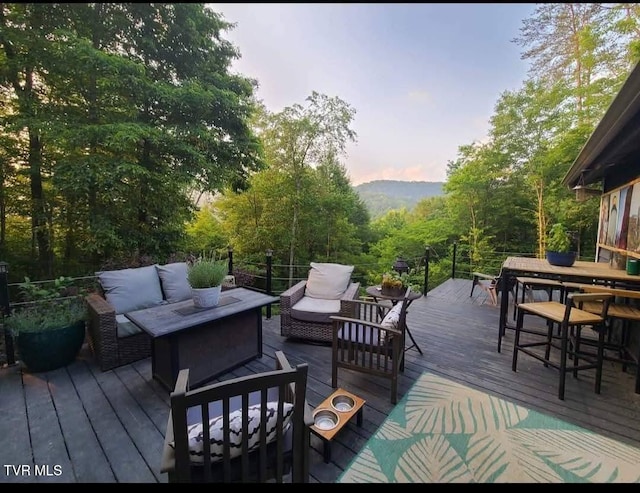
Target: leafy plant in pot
point(559, 246)
point(50, 330)
point(205, 276)
point(393, 284)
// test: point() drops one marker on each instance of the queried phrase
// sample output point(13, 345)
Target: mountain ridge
point(381, 196)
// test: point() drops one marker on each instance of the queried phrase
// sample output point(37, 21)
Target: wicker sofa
point(113, 339)
point(306, 308)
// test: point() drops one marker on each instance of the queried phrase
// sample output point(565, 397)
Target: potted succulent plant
point(205, 276)
point(50, 330)
point(559, 246)
point(393, 284)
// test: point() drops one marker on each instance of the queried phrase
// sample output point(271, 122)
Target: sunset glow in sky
point(423, 78)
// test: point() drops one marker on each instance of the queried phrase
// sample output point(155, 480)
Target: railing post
point(426, 271)
point(453, 265)
point(269, 267)
point(230, 253)
point(5, 306)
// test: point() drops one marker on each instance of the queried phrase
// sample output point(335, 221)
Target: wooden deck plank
point(15, 444)
point(119, 446)
point(112, 423)
point(47, 440)
point(87, 460)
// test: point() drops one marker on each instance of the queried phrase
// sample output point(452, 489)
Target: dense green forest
point(115, 116)
point(381, 196)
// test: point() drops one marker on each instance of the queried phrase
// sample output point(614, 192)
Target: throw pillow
point(391, 320)
point(175, 285)
point(216, 424)
point(131, 289)
point(328, 281)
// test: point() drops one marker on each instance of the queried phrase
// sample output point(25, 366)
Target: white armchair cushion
point(328, 281)
point(131, 289)
point(315, 309)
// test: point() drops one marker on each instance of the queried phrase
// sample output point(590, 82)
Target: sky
point(423, 79)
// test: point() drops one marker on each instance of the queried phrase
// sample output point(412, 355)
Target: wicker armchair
point(304, 329)
point(110, 350)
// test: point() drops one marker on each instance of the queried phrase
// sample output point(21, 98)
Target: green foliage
point(59, 305)
point(205, 232)
point(47, 315)
point(302, 207)
point(206, 272)
point(127, 136)
point(559, 239)
point(61, 287)
point(120, 136)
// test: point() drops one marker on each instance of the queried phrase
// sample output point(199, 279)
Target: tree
point(570, 43)
point(300, 138)
point(128, 108)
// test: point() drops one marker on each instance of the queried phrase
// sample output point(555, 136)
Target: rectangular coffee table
point(208, 341)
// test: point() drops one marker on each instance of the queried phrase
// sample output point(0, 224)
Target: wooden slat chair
point(373, 342)
point(569, 314)
point(237, 448)
point(629, 315)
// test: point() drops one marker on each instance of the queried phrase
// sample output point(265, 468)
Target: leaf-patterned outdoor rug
point(444, 432)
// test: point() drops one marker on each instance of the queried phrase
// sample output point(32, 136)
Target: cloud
point(419, 97)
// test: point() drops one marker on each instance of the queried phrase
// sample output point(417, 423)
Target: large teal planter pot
point(50, 349)
point(561, 259)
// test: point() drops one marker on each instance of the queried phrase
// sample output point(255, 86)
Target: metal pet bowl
point(342, 403)
point(325, 419)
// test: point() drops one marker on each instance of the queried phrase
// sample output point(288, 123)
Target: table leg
point(327, 451)
point(504, 306)
point(413, 341)
point(359, 417)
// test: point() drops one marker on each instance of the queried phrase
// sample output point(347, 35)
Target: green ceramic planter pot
point(50, 349)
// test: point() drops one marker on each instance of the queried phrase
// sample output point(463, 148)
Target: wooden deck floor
point(81, 425)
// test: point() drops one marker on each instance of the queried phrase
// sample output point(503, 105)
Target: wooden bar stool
point(628, 314)
point(536, 283)
point(568, 315)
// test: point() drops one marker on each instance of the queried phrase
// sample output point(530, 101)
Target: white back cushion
point(174, 281)
point(391, 319)
point(131, 289)
point(328, 281)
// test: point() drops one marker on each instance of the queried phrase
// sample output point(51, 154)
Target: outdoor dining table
point(580, 272)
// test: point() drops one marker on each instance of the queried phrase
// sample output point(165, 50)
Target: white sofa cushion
point(315, 309)
point(175, 285)
point(131, 289)
point(328, 281)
